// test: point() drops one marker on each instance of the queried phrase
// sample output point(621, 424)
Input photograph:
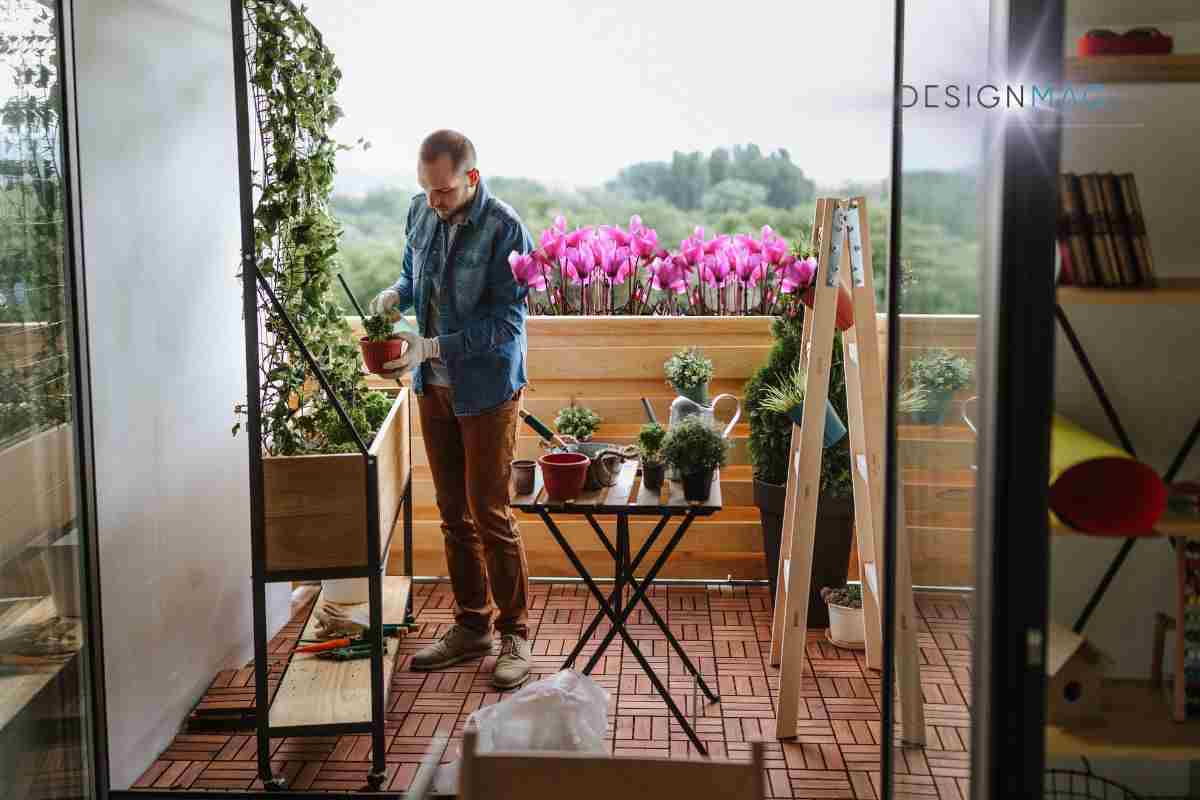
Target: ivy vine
point(293, 79)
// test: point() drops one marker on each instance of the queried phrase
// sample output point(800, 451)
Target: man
point(468, 372)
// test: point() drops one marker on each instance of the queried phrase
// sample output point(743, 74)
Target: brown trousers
point(470, 458)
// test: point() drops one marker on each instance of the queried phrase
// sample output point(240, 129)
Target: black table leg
point(612, 599)
point(619, 622)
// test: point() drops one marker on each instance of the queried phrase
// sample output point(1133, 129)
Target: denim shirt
point(481, 313)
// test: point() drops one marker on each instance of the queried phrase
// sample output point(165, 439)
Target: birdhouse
point(1074, 678)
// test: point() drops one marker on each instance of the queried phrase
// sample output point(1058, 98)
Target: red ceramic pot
point(564, 474)
point(376, 354)
point(845, 306)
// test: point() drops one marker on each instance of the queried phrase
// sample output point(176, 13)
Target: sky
point(568, 93)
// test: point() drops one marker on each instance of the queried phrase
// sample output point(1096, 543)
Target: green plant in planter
point(693, 446)
point(848, 596)
point(650, 442)
point(689, 372)
point(938, 374)
point(578, 421)
point(771, 431)
point(378, 328)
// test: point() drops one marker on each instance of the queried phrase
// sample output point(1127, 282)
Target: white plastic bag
point(567, 711)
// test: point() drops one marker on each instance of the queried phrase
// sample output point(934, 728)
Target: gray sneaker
point(458, 644)
point(512, 667)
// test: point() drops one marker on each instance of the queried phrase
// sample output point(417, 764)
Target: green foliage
point(771, 431)
point(940, 370)
point(688, 369)
point(693, 445)
point(848, 596)
point(734, 195)
point(293, 77)
point(34, 361)
point(788, 394)
point(578, 421)
point(650, 441)
point(378, 328)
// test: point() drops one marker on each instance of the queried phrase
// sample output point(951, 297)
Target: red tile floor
point(726, 631)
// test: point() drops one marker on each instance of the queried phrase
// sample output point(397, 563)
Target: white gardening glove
point(417, 351)
point(384, 302)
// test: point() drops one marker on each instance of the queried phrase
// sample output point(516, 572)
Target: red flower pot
point(564, 474)
point(376, 354)
point(845, 306)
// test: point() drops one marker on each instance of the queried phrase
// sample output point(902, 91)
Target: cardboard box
point(1075, 672)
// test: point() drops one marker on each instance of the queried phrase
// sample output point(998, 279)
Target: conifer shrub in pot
point(770, 439)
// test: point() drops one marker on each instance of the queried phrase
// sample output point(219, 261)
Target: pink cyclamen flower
point(614, 263)
point(579, 236)
point(552, 242)
point(749, 243)
point(635, 224)
point(774, 249)
point(693, 249)
point(527, 271)
point(797, 274)
point(667, 275)
point(615, 234)
point(560, 223)
point(645, 243)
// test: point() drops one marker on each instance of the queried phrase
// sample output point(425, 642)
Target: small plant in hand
point(849, 596)
point(688, 369)
point(578, 421)
point(650, 442)
point(940, 371)
point(379, 328)
point(693, 446)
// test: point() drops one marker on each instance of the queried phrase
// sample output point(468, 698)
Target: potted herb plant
point(578, 421)
point(845, 610)
point(689, 372)
point(650, 442)
point(770, 440)
point(695, 448)
point(938, 375)
point(380, 345)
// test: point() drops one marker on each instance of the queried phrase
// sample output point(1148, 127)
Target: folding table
point(621, 501)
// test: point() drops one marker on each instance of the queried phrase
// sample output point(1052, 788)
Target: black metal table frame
point(623, 568)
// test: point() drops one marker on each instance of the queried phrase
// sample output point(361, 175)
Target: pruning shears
point(309, 646)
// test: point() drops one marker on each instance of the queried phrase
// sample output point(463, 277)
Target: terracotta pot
point(564, 474)
point(845, 306)
point(376, 354)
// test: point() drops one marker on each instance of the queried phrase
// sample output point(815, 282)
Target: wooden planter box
point(610, 363)
point(316, 506)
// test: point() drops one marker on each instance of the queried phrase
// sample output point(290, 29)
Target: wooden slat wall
point(610, 363)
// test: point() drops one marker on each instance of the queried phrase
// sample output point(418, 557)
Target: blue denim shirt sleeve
point(502, 318)
point(404, 286)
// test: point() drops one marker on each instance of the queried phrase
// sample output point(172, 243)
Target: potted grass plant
point(649, 444)
point(787, 398)
point(695, 449)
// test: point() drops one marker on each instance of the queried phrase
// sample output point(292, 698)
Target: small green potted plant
point(689, 372)
point(578, 421)
point(695, 449)
point(845, 615)
point(650, 442)
point(937, 375)
point(380, 345)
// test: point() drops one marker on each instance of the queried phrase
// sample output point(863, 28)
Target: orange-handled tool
point(332, 644)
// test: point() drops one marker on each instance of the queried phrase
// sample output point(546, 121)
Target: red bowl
point(564, 474)
point(376, 354)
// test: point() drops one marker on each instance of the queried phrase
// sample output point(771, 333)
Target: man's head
point(446, 171)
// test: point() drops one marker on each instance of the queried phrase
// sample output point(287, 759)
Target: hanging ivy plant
point(293, 79)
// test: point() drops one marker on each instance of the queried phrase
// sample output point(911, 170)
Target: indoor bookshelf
point(1166, 291)
point(1172, 68)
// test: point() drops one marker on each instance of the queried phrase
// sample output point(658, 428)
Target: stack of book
point(1101, 233)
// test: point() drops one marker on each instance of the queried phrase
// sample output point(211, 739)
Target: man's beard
point(449, 215)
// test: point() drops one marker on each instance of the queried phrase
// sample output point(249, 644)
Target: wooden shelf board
point(1137, 724)
point(1171, 524)
point(18, 688)
point(1169, 291)
point(316, 691)
point(1172, 68)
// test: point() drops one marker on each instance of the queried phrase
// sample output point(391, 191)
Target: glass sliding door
point(969, 362)
point(45, 694)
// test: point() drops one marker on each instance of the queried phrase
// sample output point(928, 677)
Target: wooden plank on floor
point(318, 691)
